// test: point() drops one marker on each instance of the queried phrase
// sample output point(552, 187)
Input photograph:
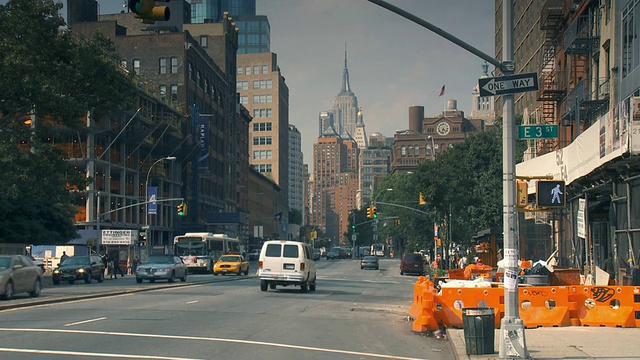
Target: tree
point(57, 79)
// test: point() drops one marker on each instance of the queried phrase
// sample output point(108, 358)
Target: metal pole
point(147, 201)
point(512, 339)
point(99, 235)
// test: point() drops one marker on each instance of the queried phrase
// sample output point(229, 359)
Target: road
point(353, 314)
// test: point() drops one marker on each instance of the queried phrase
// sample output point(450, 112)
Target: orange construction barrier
point(544, 306)
point(450, 302)
point(612, 306)
point(423, 306)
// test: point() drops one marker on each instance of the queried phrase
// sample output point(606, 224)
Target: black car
point(74, 268)
point(336, 252)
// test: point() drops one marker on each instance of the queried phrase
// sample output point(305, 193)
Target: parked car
point(161, 267)
point(316, 254)
point(253, 254)
point(19, 274)
point(336, 252)
point(412, 263)
point(369, 262)
point(87, 268)
point(231, 264)
point(286, 263)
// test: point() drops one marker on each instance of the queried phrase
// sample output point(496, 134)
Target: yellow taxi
point(231, 264)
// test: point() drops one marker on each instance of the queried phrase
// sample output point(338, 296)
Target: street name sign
point(508, 84)
point(526, 132)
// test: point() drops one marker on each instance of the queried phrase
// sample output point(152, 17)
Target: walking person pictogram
point(555, 192)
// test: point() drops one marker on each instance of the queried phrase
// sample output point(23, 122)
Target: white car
point(286, 263)
point(162, 267)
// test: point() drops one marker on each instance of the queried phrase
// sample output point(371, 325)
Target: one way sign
point(508, 84)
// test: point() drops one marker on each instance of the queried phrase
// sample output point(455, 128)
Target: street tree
point(49, 82)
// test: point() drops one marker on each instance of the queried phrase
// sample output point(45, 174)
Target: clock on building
point(443, 128)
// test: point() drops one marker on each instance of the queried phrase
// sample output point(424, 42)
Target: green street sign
point(526, 132)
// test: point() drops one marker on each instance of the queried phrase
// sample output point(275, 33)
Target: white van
point(286, 263)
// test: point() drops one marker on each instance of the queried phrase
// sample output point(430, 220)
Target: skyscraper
point(345, 106)
point(212, 10)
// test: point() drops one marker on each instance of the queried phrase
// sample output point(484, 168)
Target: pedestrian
point(110, 270)
point(116, 267)
point(134, 266)
point(63, 257)
point(462, 263)
point(609, 268)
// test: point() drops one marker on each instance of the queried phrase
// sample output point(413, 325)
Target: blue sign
point(152, 194)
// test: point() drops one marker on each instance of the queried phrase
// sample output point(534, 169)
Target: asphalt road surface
point(353, 314)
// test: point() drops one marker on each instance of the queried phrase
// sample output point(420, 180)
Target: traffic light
point(551, 193)
point(182, 209)
point(422, 201)
point(374, 211)
point(369, 212)
point(142, 238)
point(148, 11)
point(522, 199)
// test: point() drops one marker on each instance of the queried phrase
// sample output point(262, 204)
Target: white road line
point(212, 339)
point(82, 353)
point(86, 321)
point(192, 302)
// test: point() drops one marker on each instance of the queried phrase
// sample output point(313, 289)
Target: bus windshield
point(195, 248)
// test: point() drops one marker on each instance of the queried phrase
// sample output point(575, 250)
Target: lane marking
point(192, 302)
point(211, 339)
point(86, 321)
point(82, 353)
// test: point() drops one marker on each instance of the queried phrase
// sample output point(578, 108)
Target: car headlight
point(56, 271)
point(81, 270)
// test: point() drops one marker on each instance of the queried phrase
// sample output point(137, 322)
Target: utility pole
point(512, 340)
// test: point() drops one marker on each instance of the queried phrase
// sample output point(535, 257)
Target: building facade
point(296, 170)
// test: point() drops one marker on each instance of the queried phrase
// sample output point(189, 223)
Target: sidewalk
point(571, 342)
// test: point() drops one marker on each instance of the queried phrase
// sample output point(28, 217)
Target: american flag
point(441, 91)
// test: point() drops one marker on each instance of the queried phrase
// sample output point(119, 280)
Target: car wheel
point(101, 276)
point(184, 278)
point(376, 268)
point(312, 287)
point(56, 282)
point(304, 287)
point(361, 267)
point(246, 272)
point(172, 278)
point(71, 282)
point(401, 272)
point(272, 286)
point(8, 291)
point(37, 288)
point(215, 273)
point(87, 278)
point(138, 280)
point(263, 285)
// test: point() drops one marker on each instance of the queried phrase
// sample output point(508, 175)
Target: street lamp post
point(147, 201)
point(426, 140)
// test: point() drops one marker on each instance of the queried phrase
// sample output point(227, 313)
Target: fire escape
point(588, 97)
point(552, 80)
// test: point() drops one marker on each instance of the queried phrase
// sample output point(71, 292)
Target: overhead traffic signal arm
point(148, 11)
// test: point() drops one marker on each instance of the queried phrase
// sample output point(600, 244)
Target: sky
point(393, 62)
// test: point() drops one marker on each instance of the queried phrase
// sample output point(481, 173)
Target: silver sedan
point(162, 267)
point(19, 274)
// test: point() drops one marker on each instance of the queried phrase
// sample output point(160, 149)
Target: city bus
point(201, 250)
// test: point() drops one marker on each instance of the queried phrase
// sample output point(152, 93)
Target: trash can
point(479, 330)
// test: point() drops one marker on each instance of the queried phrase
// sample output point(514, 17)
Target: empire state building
point(345, 106)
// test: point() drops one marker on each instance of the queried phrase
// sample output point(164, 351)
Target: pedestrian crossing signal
point(551, 193)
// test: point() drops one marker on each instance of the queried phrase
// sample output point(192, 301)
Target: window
point(174, 65)
point(239, 72)
point(244, 100)
point(163, 65)
point(262, 99)
point(273, 250)
point(199, 75)
point(262, 154)
point(247, 70)
point(403, 150)
point(136, 66)
point(204, 41)
point(163, 92)
point(242, 85)
point(262, 168)
point(265, 69)
point(174, 92)
point(417, 150)
point(262, 84)
point(207, 88)
point(262, 140)
point(262, 126)
point(191, 72)
point(261, 113)
point(256, 69)
point(290, 251)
